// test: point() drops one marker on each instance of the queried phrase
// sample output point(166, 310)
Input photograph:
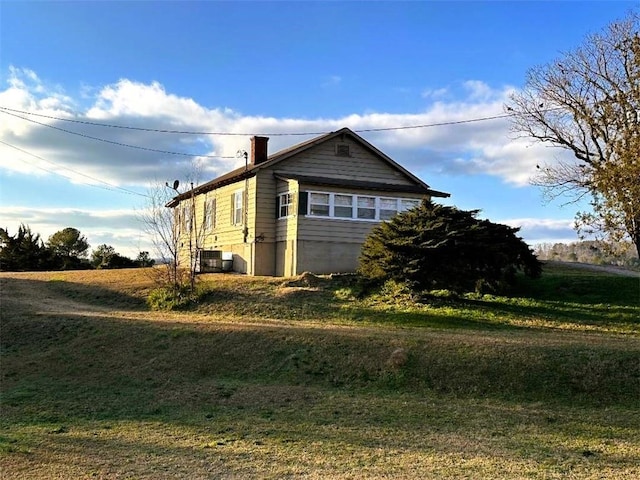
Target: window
point(209, 214)
point(319, 204)
point(187, 217)
point(285, 205)
point(353, 207)
point(367, 208)
point(343, 206)
point(408, 204)
point(237, 203)
point(388, 208)
point(342, 150)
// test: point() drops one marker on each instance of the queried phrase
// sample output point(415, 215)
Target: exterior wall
point(327, 257)
point(362, 164)
point(225, 235)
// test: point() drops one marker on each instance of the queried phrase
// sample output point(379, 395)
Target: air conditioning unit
point(210, 261)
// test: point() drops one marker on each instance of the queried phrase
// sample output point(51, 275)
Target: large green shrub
point(438, 247)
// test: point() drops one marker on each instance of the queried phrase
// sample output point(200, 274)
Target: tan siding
point(331, 230)
point(224, 236)
point(320, 161)
point(327, 257)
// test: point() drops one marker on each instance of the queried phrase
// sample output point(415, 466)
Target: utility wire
point(112, 187)
point(271, 134)
point(120, 144)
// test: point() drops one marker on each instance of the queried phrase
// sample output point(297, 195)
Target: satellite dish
point(175, 184)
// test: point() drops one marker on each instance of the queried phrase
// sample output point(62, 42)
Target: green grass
point(272, 379)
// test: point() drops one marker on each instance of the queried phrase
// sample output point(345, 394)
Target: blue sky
point(270, 67)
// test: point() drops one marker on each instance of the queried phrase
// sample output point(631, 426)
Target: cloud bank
point(48, 143)
point(482, 147)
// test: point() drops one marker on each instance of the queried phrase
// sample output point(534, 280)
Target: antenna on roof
point(176, 183)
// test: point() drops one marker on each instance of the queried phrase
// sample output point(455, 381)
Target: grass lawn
point(268, 378)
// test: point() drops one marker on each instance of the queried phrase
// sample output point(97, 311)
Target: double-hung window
point(237, 204)
point(209, 214)
point(187, 213)
point(388, 208)
point(367, 208)
point(408, 204)
point(285, 205)
point(343, 206)
point(319, 204)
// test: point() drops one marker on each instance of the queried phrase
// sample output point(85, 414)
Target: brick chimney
point(258, 150)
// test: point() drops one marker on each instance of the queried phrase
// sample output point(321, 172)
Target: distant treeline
point(594, 252)
point(66, 249)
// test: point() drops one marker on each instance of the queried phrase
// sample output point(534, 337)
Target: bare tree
point(588, 102)
point(160, 224)
point(171, 221)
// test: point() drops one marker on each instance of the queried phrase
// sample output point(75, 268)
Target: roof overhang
point(360, 184)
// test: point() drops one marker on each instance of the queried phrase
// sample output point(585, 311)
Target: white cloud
point(483, 147)
point(541, 230)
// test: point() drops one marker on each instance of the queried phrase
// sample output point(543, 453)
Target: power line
point(112, 187)
point(268, 134)
point(120, 144)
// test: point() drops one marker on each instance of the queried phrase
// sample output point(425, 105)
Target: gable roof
point(251, 169)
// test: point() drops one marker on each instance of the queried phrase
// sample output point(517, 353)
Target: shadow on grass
point(113, 368)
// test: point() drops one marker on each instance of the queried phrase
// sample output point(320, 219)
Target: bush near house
point(439, 247)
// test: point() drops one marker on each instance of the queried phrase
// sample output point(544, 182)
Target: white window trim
point(238, 194)
point(289, 205)
point(209, 213)
point(354, 206)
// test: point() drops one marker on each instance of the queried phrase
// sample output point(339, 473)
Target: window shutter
point(303, 199)
point(277, 206)
point(245, 200)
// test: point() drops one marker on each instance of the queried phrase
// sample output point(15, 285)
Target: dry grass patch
point(265, 380)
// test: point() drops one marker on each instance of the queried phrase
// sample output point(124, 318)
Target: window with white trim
point(388, 208)
point(408, 204)
point(209, 214)
point(366, 208)
point(357, 207)
point(238, 201)
point(187, 216)
point(319, 204)
point(285, 205)
point(343, 206)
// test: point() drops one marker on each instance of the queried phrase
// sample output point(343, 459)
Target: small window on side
point(285, 205)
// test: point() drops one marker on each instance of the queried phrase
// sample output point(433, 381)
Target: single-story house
point(306, 208)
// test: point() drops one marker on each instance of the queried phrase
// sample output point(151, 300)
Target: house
point(306, 208)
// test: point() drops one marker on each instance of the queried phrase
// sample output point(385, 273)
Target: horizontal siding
point(363, 165)
point(224, 235)
point(327, 257)
point(264, 223)
point(334, 230)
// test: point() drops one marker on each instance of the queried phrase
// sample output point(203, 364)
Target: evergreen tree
point(23, 251)
point(439, 247)
point(69, 248)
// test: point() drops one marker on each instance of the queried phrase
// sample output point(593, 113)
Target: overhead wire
point(270, 134)
point(18, 114)
point(111, 186)
point(112, 142)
